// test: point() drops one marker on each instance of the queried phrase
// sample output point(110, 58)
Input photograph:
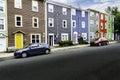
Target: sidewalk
point(5, 55)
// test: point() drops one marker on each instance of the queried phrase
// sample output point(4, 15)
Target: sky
point(99, 5)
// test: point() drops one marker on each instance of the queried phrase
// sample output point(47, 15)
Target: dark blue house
point(58, 19)
point(80, 25)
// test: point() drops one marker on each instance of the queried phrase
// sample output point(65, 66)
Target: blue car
point(33, 49)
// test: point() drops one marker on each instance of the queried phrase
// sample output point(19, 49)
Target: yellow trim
point(18, 40)
point(37, 22)
point(18, 31)
point(16, 20)
point(34, 1)
point(35, 34)
point(16, 4)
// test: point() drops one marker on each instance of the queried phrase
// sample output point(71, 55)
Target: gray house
point(58, 22)
point(93, 23)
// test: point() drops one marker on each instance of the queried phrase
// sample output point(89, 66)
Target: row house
point(33, 21)
point(110, 27)
point(93, 23)
point(58, 22)
point(26, 22)
point(79, 24)
point(102, 25)
point(3, 26)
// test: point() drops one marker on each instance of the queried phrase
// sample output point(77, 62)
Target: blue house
point(80, 26)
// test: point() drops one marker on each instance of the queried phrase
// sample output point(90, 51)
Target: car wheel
point(47, 51)
point(99, 44)
point(24, 54)
point(107, 43)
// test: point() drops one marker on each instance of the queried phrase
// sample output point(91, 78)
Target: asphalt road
point(88, 63)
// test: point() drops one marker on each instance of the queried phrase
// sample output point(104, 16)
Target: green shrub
point(65, 43)
point(82, 41)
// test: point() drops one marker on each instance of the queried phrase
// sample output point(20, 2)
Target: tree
point(114, 11)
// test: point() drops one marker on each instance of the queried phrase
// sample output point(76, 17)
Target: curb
point(4, 56)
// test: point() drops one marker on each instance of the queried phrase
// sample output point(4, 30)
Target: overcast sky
point(93, 4)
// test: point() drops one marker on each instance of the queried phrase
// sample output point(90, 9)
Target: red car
point(99, 42)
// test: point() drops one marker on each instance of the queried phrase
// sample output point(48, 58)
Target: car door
point(41, 49)
point(34, 49)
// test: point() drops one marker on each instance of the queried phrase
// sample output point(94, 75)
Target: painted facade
point(110, 27)
point(93, 23)
point(58, 22)
point(3, 26)
point(102, 25)
point(26, 22)
point(79, 25)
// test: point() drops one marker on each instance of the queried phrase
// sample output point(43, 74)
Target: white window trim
point(50, 8)
point(34, 22)
point(34, 2)
point(101, 25)
point(84, 35)
point(83, 24)
point(74, 21)
point(16, 20)
point(83, 13)
point(102, 16)
point(73, 11)
point(51, 22)
point(65, 24)
point(16, 5)
point(3, 23)
point(64, 11)
point(35, 34)
point(2, 5)
point(65, 34)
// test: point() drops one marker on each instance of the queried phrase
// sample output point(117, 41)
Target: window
point(74, 23)
point(64, 23)
point(18, 4)
point(91, 13)
point(64, 11)
point(51, 22)
point(73, 11)
point(2, 6)
point(50, 8)
point(101, 16)
point(97, 22)
point(35, 5)
point(2, 25)
point(83, 13)
point(35, 22)
point(101, 25)
point(35, 38)
point(97, 14)
point(18, 20)
point(84, 35)
point(83, 24)
point(64, 36)
point(91, 21)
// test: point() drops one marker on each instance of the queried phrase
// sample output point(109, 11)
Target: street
point(87, 63)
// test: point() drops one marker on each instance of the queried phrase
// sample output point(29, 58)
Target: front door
point(75, 37)
point(18, 40)
point(51, 40)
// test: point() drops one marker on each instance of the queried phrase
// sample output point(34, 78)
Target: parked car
point(99, 42)
point(33, 49)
